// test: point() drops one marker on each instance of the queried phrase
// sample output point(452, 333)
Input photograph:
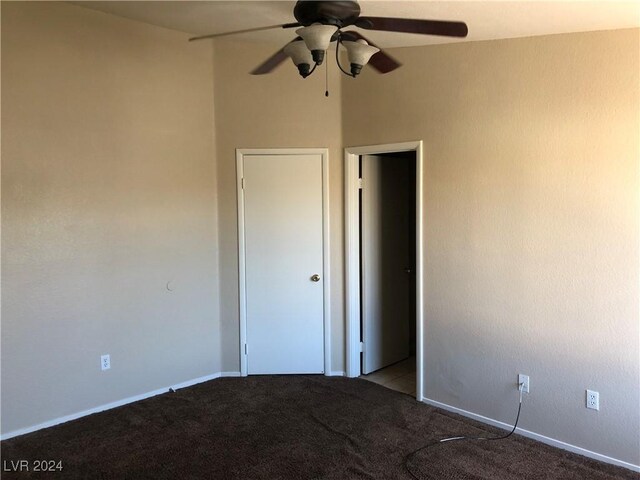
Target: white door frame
point(324, 152)
point(352, 253)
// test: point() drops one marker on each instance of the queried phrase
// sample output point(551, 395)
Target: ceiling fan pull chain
point(326, 79)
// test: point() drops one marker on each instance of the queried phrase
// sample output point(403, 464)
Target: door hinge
point(242, 183)
point(361, 346)
point(360, 183)
point(245, 348)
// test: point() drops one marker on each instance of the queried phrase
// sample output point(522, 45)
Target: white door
point(386, 260)
point(283, 248)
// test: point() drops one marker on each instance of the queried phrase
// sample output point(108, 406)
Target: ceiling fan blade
point(410, 25)
point(272, 62)
point(258, 29)
point(381, 61)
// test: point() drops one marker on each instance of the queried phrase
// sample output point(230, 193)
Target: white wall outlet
point(105, 362)
point(524, 381)
point(593, 400)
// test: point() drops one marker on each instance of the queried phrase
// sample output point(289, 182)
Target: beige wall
point(279, 110)
point(532, 224)
point(108, 193)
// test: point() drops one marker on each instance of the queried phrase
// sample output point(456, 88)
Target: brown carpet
point(289, 427)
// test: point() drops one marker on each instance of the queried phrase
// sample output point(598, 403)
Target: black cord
point(312, 70)
point(408, 458)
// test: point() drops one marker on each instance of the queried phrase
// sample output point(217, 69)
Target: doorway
point(387, 269)
point(383, 211)
point(283, 261)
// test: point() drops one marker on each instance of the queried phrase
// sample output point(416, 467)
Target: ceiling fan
point(322, 22)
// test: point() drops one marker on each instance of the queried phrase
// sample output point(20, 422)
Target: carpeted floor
point(288, 427)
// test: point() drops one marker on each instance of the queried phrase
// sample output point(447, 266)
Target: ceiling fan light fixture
point(301, 57)
point(322, 22)
point(317, 38)
point(359, 54)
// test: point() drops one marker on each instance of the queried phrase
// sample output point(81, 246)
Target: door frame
point(324, 153)
point(352, 253)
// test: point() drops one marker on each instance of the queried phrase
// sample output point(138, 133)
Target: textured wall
point(532, 224)
point(108, 193)
point(279, 110)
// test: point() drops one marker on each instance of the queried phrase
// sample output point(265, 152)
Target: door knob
point(315, 278)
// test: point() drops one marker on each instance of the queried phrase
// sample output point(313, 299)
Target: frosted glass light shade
point(301, 57)
point(359, 52)
point(298, 52)
point(317, 36)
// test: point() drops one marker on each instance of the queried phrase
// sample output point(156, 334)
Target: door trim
point(352, 254)
point(326, 278)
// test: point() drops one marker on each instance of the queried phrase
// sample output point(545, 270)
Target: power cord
point(408, 458)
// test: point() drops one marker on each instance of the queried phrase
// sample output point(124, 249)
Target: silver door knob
point(315, 278)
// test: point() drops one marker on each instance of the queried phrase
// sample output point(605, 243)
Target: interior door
point(386, 260)
point(283, 239)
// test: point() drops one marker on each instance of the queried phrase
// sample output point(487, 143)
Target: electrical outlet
point(105, 362)
point(524, 381)
point(593, 400)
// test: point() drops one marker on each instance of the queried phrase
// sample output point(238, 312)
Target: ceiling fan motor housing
point(339, 13)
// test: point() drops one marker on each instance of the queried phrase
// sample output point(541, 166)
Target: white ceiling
point(486, 20)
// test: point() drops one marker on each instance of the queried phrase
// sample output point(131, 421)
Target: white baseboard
point(535, 436)
point(335, 373)
point(117, 403)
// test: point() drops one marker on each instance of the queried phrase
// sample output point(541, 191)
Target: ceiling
point(487, 20)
